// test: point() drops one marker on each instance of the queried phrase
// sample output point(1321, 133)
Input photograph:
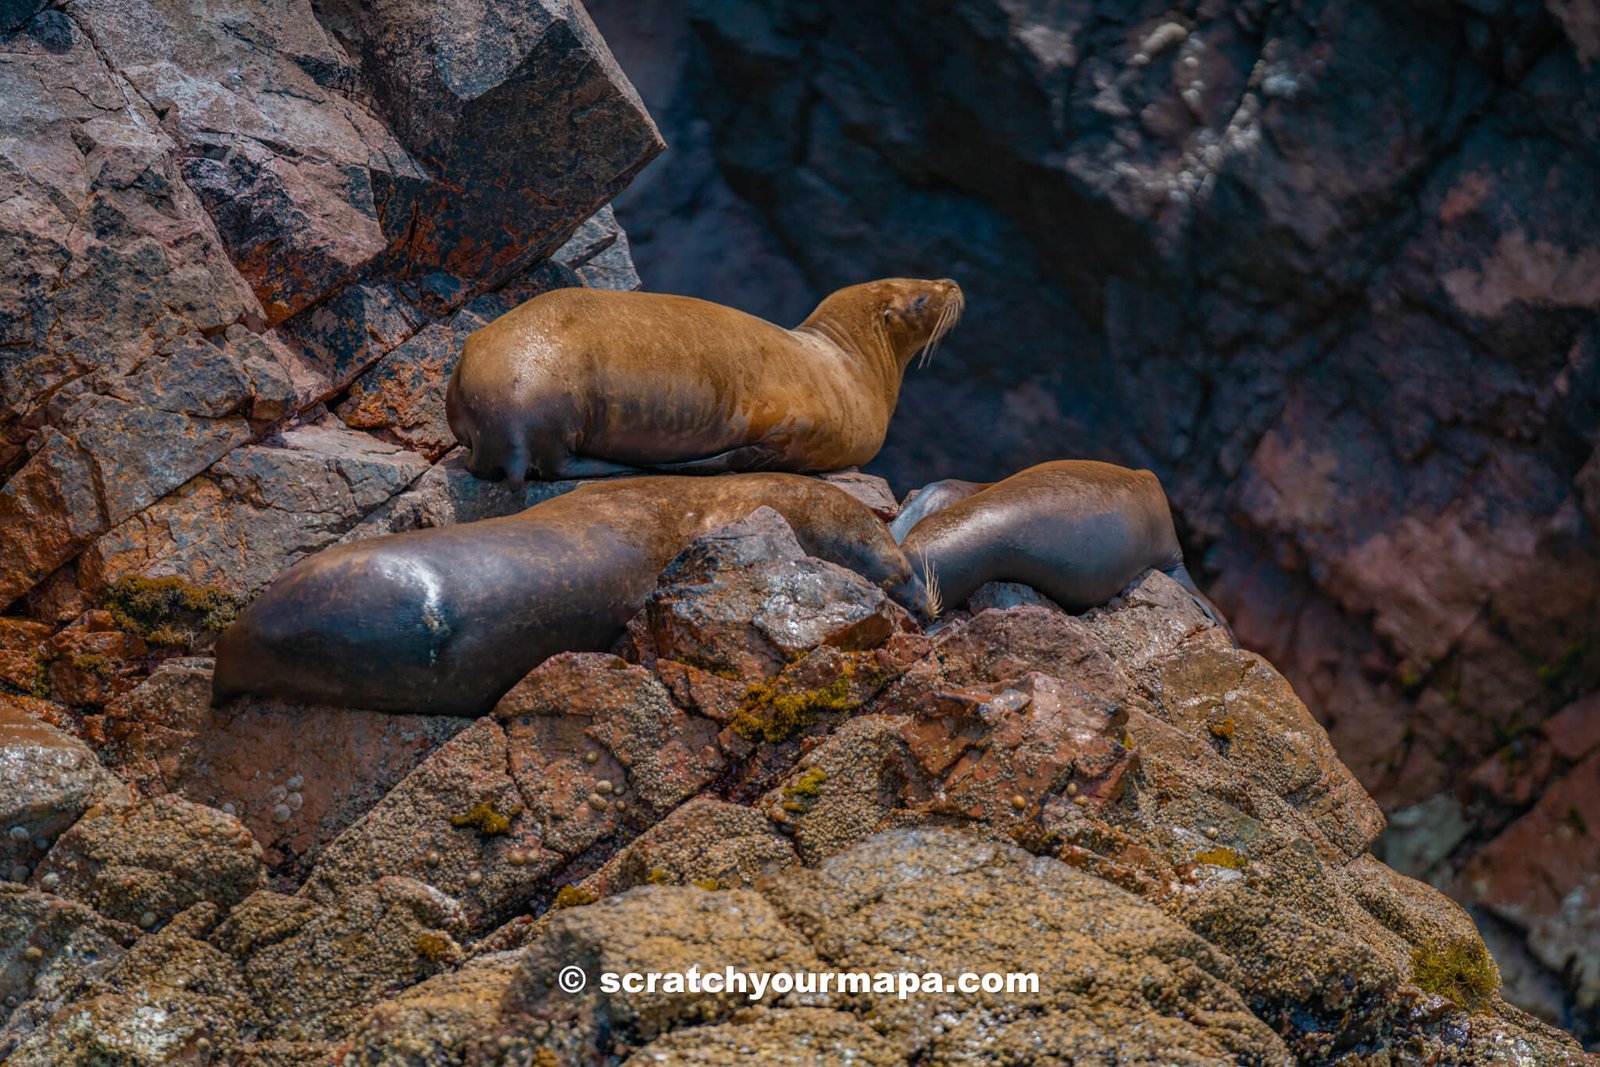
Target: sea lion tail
point(1180, 574)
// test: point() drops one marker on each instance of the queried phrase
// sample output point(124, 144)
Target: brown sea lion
point(580, 383)
point(1078, 531)
point(446, 620)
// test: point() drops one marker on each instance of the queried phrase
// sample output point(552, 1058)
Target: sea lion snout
point(911, 593)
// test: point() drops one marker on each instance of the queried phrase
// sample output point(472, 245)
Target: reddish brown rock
point(348, 332)
point(998, 755)
point(258, 511)
point(1539, 875)
point(142, 862)
point(252, 758)
point(297, 174)
point(49, 511)
point(402, 394)
point(597, 746)
point(746, 600)
point(562, 133)
point(1003, 646)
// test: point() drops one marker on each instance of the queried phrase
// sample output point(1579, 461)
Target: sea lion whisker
point(949, 315)
point(930, 582)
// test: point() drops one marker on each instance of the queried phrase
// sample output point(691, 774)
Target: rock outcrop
point(1327, 267)
point(238, 244)
point(779, 772)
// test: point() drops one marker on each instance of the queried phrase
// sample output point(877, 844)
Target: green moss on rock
point(170, 611)
point(768, 715)
point(1460, 970)
point(483, 818)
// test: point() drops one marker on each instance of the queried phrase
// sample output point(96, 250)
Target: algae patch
point(483, 818)
point(1461, 971)
point(170, 611)
point(768, 715)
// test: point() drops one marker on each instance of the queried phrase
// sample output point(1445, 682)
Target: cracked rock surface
point(1120, 802)
point(1328, 267)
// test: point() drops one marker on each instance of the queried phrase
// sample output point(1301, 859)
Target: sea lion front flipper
point(743, 458)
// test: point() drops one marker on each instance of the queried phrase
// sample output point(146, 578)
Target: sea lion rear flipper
point(743, 458)
point(1180, 574)
point(586, 467)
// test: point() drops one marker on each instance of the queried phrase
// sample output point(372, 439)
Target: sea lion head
point(904, 318)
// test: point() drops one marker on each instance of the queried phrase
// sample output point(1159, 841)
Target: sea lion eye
point(920, 302)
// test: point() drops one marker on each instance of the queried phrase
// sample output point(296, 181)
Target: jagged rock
point(313, 970)
point(260, 509)
point(252, 758)
point(580, 719)
point(348, 332)
point(169, 998)
point(305, 185)
point(143, 861)
point(521, 105)
point(456, 825)
point(708, 614)
point(1540, 875)
point(704, 842)
point(47, 780)
point(51, 950)
point(654, 928)
point(401, 394)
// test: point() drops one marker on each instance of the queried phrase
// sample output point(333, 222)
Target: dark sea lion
point(582, 383)
point(446, 620)
point(1078, 531)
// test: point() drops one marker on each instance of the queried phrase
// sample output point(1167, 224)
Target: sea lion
point(1078, 531)
point(580, 383)
point(446, 620)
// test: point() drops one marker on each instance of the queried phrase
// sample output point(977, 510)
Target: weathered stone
point(305, 185)
point(1539, 875)
point(580, 719)
point(107, 251)
point(252, 758)
point(313, 971)
point(447, 493)
point(980, 906)
point(143, 861)
point(535, 131)
point(348, 332)
point(402, 395)
point(49, 511)
point(47, 780)
point(746, 599)
point(256, 512)
point(704, 842)
point(169, 994)
point(457, 824)
point(51, 949)
point(871, 490)
point(654, 928)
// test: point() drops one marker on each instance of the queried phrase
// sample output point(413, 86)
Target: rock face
point(223, 226)
point(1327, 267)
point(1123, 804)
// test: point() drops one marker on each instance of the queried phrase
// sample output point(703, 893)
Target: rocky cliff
point(1327, 266)
point(778, 773)
point(241, 243)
